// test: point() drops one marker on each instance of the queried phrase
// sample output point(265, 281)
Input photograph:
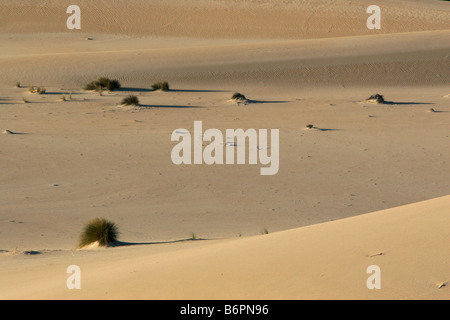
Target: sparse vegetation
point(99, 230)
point(193, 236)
point(163, 86)
point(130, 100)
point(265, 231)
point(24, 100)
point(103, 83)
point(310, 126)
point(37, 90)
point(378, 98)
point(18, 84)
point(238, 96)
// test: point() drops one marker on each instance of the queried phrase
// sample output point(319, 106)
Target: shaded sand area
point(300, 63)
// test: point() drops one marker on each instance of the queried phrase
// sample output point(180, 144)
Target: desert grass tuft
point(99, 230)
point(18, 84)
point(91, 86)
point(238, 96)
point(163, 86)
point(40, 90)
point(130, 100)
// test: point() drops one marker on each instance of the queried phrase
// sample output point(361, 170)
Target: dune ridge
point(227, 19)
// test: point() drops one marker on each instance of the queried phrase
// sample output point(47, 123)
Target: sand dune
point(325, 261)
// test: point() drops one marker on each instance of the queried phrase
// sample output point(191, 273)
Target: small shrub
point(238, 96)
point(163, 86)
point(193, 236)
point(130, 100)
point(18, 84)
point(103, 83)
point(37, 90)
point(101, 230)
point(24, 100)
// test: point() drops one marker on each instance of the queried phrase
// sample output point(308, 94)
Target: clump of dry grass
point(37, 90)
point(130, 100)
point(378, 98)
point(99, 230)
point(163, 86)
point(103, 83)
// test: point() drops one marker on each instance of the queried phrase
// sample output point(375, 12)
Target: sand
point(362, 167)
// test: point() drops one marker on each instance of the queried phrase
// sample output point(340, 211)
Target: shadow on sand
point(9, 132)
point(196, 91)
point(128, 89)
point(127, 244)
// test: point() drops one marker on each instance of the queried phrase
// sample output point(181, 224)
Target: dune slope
point(325, 261)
